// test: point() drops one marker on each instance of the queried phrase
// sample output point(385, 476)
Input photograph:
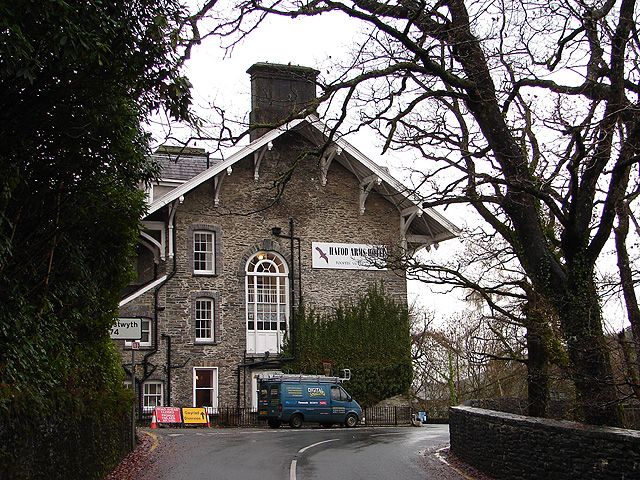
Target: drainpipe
point(168, 340)
point(276, 232)
point(145, 361)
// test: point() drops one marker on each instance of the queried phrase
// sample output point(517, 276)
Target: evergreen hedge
point(369, 335)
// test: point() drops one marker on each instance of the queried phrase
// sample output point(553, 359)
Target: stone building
point(229, 246)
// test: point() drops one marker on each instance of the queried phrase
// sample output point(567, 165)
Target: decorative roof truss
point(366, 184)
point(325, 161)
point(407, 216)
point(217, 184)
point(258, 155)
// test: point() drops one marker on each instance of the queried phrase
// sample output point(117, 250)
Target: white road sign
point(127, 329)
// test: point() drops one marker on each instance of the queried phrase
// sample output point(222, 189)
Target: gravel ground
point(138, 461)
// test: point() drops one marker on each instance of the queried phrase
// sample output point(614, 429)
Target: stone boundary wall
point(516, 447)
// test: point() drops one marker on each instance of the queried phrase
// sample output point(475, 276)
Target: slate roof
point(178, 163)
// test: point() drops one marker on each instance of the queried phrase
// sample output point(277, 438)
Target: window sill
point(205, 342)
point(204, 274)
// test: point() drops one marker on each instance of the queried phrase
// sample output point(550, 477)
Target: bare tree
point(469, 356)
point(530, 108)
point(513, 313)
point(627, 284)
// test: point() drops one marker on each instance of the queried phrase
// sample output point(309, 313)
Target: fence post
point(395, 416)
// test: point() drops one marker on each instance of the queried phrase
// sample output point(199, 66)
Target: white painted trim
point(159, 226)
point(127, 343)
point(145, 408)
point(384, 175)
point(142, 291)
point(321, 127)
point(252, 276)
point(216, 392)
point(213, 171)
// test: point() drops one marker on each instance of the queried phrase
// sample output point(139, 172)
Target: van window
point(337, 393)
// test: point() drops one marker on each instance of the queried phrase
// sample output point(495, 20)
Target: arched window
point(267, 293)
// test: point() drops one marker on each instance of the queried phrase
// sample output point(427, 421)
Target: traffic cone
point(208, 422)
point(154, 423)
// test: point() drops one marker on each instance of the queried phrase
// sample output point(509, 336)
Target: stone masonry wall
point(516, 447)
point(243, 221)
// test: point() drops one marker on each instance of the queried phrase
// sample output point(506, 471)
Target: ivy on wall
point(369, 335)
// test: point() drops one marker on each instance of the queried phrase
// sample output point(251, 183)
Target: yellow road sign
point(194, 415)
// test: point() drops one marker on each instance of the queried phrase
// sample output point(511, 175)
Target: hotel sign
point(349, 256)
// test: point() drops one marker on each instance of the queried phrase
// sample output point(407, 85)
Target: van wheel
point(274, 423)
point(296, 421)
point(351, 421)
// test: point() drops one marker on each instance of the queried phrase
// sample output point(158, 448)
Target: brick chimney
point(277, 93)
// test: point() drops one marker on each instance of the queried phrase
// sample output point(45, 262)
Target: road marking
point(155, 440)
point(302, 450)
point(292, 470)
point(443, 460)
point(294, 462)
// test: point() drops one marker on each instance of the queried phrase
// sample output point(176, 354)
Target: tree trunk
point(626, 278)
point(631, 372)
point(537, 372)
point(581, 321)
point(538, 315)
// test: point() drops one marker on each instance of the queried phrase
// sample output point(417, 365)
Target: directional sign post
point(130, 329)
point(127, 329)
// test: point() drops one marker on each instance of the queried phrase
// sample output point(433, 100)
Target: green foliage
point(61, 436)
point(369, 335)
point(76, 81)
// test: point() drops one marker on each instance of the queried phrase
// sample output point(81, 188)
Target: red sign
point(168, 415)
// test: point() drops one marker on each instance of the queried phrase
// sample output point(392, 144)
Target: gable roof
point(428, 222)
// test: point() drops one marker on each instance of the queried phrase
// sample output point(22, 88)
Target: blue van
point(306, 398)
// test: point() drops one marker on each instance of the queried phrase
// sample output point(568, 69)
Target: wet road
point(285, 454)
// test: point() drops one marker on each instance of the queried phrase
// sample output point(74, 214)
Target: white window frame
point(147, 344)
point(251, 298)
point(214, 388)
point(212, 320)
point(205, 271)
point(148, 408)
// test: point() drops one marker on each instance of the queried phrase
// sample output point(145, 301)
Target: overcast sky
point(219, 77)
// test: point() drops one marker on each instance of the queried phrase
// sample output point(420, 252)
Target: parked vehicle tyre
point(351, 421)
point(274, 423)
point(295, 421)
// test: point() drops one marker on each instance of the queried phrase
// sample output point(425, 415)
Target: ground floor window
point(205, 387)
point(151, 396)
